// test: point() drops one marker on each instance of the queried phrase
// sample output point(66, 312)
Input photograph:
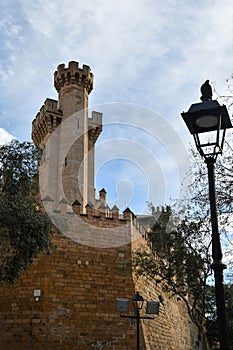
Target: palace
point(66, 300)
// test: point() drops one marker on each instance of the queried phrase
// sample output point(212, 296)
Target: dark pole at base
point(138, 318)
point(217, 264)
point(138, 329)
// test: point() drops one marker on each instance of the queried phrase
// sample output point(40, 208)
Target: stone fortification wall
point(67, 300)
point(76, 307)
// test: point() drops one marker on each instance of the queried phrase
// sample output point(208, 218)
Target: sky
point(149, 59)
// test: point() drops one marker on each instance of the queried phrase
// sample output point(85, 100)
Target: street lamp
point(138, 301)
point(201, 118)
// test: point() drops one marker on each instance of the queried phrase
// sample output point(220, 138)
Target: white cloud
point(153, 53)
point(5, 137)
point(132, 47)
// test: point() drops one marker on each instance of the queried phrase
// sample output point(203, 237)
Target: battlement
point(112, 227)
point(93, 225)
point(46, 120)
point(73, 75)
point(95, 119)
point(93, 213)
point(48, 106)
point(95, 125)
point(102, 216)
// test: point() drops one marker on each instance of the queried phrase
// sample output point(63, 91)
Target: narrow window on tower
point(78, 124)
point(65, 161)
point(76, 77)
point(51, 122)
point(68, 77)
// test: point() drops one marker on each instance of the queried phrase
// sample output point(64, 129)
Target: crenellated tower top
point(73, 85)
point(73, 75)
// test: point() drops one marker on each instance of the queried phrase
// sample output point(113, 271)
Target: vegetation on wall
point(181, 256)
point(180, 261)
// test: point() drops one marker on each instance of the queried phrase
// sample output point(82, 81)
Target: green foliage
point(24, 227)
point(18, 168)
point(178, 259)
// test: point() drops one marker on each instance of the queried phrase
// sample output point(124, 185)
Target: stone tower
point(70, 114)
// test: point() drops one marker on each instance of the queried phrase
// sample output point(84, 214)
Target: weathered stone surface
point(76, 309)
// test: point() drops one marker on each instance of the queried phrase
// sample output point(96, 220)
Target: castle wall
point(78, 287)
point(76, 308)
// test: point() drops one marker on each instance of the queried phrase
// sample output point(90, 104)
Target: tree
point(182, 256)
point(24, 226)
point(227, 97)
point(179, 260)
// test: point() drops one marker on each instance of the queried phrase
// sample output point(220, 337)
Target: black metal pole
point(138, 329)
point(138, 317)
point(217, 264)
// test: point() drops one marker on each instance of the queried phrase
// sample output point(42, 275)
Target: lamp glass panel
point(152, 307)
point(207, 121)
point(122, 304)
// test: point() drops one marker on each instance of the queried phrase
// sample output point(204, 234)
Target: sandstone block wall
point(76, 308)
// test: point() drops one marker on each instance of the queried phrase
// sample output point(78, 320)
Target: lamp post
point(209, 117)
point(138, 301)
